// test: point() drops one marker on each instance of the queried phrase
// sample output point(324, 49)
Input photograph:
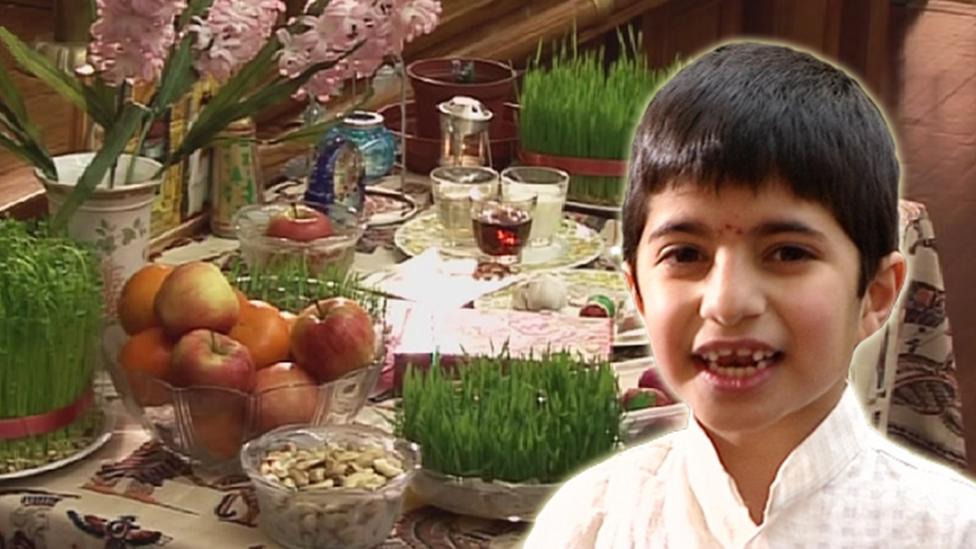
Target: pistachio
point(331, 466)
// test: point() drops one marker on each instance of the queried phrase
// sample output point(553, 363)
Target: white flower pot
point(115, 220)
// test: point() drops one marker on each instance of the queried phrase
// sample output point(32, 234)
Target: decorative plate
point(599, 210)
point(581, 284)
point(386, 207)
point(574, 245)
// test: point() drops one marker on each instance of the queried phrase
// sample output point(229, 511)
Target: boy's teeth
point(725, 352)
point(743, 352)
point(737, 371)
point(712, 356)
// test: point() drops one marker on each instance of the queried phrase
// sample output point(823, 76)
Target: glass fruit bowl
point(295, 475)
point(209, 425)
point(299, 236)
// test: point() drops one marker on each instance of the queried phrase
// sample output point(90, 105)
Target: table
point(135, 491)
point(138, 492)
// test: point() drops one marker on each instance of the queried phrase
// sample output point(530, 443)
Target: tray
point(574, 245)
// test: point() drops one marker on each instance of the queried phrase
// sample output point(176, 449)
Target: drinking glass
point(502, 223)
point(452, 188)
point(550, 186)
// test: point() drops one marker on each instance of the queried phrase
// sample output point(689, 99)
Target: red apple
point(650, 379)
point(333, 337)
point(300, 223)
point(637, 398)
point(285, 395)
point(208, 358)
point(196, 295)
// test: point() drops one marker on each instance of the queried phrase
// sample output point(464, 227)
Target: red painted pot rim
point(601, 167)
point(48, 422)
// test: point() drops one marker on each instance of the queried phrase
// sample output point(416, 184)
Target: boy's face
point(751, 306)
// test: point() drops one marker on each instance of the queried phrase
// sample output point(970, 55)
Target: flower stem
point(119, 104)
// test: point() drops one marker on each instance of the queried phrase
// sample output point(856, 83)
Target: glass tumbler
point(452, 188)
point(502, 224)
point(550, 186)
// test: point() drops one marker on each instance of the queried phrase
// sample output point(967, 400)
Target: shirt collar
point(811, 465)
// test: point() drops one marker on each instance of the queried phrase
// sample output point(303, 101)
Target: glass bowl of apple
point(331, 487)
point(320, 238)
point(213, 370)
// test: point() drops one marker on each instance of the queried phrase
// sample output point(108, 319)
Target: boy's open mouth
point(737, 363)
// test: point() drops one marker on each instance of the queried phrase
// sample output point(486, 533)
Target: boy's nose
point(731, 292)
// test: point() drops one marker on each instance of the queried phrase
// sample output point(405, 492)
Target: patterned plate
point(383, 206)
point(574, 245)
point(386, 207)
point(580, 284)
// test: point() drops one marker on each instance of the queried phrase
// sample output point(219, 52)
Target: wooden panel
point(864, 41)
point(46, 108)
point(811, 23)
point(684, 27)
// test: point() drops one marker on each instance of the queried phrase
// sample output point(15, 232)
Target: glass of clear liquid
point(550, 186)
point(452, 188)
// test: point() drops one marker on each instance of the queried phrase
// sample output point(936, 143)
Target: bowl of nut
point(330, 487)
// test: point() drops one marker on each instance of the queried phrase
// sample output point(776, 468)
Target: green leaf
point(115, 142)
point(66, 85)
point(307, 134)
point(176, 79)
point(37, 158)
point(10, 97)
point(196, 7)
point(100, 100)
point(215, 117)
point(94, 101)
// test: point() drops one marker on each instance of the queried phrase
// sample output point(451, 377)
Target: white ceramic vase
point(115, 220)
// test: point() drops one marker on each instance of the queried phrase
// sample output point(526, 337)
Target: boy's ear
point(633, 287)
point(882, 293)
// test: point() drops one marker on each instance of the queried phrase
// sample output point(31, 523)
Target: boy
point(761, 246)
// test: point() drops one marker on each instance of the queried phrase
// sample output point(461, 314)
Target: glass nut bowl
point(299, 509)
point(334, 252)
point(208, 425)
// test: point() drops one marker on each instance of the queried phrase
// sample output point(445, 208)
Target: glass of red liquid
point(501, 224)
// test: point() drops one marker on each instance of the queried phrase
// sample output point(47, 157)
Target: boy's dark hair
point(747, 112)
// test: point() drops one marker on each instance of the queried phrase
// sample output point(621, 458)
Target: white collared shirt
point(844, 486)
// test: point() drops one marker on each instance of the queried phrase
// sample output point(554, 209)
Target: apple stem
point(294, 209)
point(213, 340)
point(318, 307)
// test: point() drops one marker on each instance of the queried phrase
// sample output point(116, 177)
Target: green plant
point(180, 43)
point(50, 324)
point(291, 286)
point(511, 419)
point(579, 107)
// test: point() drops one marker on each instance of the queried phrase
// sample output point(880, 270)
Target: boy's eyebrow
point(767, 228)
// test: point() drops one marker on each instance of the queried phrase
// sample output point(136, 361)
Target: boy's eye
point(681, 254)
point(791, 253)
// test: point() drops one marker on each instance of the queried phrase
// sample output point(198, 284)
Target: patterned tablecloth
point(906, 373)
point(133, 493)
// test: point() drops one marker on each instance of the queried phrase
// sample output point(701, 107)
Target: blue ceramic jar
point(377, 144)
